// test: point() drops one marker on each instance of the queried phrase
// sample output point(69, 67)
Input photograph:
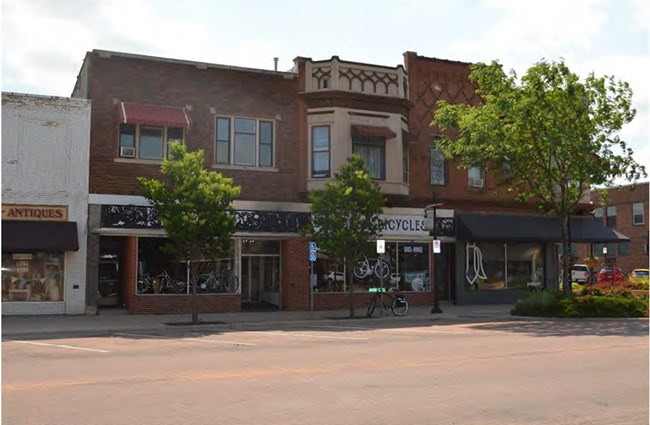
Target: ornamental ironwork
point(142, 217)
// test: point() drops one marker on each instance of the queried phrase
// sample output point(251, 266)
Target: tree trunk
point(349, 267)
point(566, 254)
point(194, 265)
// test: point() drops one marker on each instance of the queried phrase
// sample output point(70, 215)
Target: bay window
point(373, 151)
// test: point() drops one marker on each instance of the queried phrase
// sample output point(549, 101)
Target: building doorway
point(260, 274)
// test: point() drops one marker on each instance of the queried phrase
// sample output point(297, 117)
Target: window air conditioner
point(476, 183)
point(127, 152)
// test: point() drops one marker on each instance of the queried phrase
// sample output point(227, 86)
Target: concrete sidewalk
point(118, 321)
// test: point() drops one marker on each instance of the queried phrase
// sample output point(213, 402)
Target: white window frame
point(471, 180)
point(635, 213)
point(166, 141)
point(231, 141)
point(313, 173)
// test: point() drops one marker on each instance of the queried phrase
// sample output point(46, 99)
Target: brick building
point(279, 135)
point(626, 211)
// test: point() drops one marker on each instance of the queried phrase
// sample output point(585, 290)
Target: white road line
point(306, 335)
point(356, 328)
point(184, 339)
point(61, 346)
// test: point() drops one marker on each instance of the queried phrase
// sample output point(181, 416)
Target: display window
point(404, 266)
point(32, 277)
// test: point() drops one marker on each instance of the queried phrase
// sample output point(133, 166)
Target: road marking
point(71, 347)
point(214, 341)
point(278, 333)
point(439, 330)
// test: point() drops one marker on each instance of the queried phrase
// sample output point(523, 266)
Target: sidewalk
point(118, 321)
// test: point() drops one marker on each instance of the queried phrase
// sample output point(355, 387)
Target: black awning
point(531, 228)
point(47, 236)
point(586, 229)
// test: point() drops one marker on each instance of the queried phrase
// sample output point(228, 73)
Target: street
point(359, 372)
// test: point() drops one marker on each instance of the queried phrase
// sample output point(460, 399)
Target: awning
point(531, 228)
point(47, 236)
point(373, 131)
point(168, 116)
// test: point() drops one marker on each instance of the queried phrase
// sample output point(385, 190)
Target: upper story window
point(611, 216)
point(147, 142)
point(637, 214)
point(437, 166)
point(320, 151)
point(244, 141)
point(598, 213)
point(476, 177)
point(373, 151)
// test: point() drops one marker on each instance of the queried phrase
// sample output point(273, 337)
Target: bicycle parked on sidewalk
point(393, 300)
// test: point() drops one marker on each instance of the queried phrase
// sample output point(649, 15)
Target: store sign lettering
point(34, 212)
point(406, 225)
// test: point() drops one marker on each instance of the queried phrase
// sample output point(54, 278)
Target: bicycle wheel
point(371, 306)
point(360, 271)
point(233, 284)
point(399, 306)
point(382, 270)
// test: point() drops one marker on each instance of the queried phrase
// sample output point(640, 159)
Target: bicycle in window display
point(381, 268)
point(160, 284)
point(392, 300)
point(211, 282)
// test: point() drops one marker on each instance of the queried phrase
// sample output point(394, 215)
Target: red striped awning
point(373, 131)
point(168, 116)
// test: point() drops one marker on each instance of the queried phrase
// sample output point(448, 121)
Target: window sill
point(243, 168)
point(138, 161)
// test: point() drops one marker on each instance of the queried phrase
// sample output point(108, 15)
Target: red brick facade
point(205, 93)
point(623, 198)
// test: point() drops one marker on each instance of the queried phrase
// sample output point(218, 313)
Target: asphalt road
point(356, 373)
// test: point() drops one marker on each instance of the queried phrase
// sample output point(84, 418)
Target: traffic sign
point(436, 246)
point(312, 251)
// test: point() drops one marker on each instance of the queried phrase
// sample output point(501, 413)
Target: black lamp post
point(436, 303)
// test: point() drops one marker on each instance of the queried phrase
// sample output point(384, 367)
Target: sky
point(44, 41)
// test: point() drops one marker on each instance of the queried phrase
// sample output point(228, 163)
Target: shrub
point(599, 303)
point(544, 303)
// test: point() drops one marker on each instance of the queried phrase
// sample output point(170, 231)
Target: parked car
point(640, 275)
point(581, 273)
point(611, 274)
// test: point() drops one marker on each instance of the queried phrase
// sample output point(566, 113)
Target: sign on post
point(381, 246)
point(312, 251)
point(436, 246)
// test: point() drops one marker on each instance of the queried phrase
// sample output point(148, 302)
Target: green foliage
point(553, 304)
point(546, 138)
point(345, 216)
point(193, 204)
point(542, 303)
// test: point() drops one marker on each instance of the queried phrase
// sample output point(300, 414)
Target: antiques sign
point(35, 212)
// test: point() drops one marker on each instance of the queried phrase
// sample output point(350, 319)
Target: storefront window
point(158, 271)
point(497, 266)
point(405, 268)
point(36, 276)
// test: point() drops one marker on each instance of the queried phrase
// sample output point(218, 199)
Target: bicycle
point(363, 269)
point(169, 285)
point(392, 300)
point(145, 284)
point(229, 281)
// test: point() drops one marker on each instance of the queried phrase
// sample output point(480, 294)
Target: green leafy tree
point(546, 138)
point(345, 216)
point(194, 206)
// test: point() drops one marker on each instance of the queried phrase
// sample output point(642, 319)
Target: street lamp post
point(436, 302)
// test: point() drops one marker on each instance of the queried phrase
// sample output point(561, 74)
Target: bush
point(544, 303)
point(618, 302)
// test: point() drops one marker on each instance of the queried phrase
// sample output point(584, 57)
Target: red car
point(608, 275)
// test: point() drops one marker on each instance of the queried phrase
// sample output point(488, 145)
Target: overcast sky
point(44, 41)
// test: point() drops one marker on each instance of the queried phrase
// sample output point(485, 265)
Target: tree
point(345, 216)
point(194, 206)
point(546, 138)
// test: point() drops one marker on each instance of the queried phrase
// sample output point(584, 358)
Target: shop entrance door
point(444, 271)
point(260, 280)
